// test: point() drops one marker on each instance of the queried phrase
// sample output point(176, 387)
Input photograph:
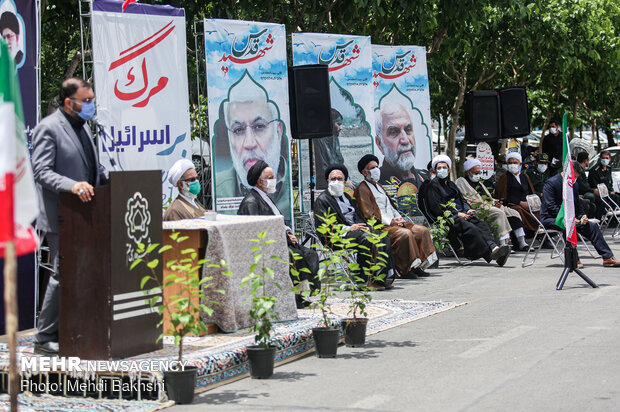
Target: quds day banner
point(350, 84)
point(141, 91)
point(247, 88)
point(18, 28)
point(402, 112)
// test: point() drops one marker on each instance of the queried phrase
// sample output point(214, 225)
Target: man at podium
point(183, 175)
point(64, 159)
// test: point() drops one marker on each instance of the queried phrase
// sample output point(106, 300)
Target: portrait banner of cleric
point(249, 129)
point(64, 159)
point(183, 176)
point(13, 35)
point(400, 138)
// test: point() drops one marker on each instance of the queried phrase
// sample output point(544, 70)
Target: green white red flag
point(566, 217)
point(19, 204)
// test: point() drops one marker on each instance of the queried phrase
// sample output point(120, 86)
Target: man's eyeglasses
point(87, 100)
point(259, 128)
point(336, 179)
point(9, 36)
point(189, 179)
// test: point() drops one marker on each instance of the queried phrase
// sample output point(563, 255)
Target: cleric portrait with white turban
point(183, 176)
point(512, 189)
point(250, 130)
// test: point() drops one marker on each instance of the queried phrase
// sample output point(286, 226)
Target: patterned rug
point(28, 402)
point(222, 358)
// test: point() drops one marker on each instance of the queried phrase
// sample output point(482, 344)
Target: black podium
point(103, 313)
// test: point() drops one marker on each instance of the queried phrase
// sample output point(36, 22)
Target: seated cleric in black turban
point(365, 160)
point(255, 171)
point(340, 167)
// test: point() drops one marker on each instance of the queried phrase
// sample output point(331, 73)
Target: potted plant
point(354, 327)
point(182, 308)
point(261, 356)
point(326, 336)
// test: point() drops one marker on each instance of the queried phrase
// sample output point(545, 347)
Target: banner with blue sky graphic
point(247, 88)
point(350, 82)
point(402, 112)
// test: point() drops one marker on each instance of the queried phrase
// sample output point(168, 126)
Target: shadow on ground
point(227, 397)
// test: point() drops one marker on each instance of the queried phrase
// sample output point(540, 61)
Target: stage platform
point(220, 358)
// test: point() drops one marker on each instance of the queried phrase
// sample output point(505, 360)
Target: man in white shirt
point(412, 246)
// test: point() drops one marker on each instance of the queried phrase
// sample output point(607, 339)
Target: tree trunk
point(454, 121)
point(438, 134)
point(593, 130)
point(572, 129)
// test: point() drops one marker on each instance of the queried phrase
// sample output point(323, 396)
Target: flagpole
point(10, 313)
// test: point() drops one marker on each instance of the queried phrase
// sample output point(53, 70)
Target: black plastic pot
point(261, 361)
point(180, 385)
point(354, 331)
point(326, 341)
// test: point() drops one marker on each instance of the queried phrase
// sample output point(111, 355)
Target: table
point(228, 240)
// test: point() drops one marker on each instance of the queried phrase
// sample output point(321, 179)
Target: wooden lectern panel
point(103, 314)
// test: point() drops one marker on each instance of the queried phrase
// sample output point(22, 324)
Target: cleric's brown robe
point(501, 193)
point(182, 209)
point(409, 243)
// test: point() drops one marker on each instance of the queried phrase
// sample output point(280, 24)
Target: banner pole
point(10, 310)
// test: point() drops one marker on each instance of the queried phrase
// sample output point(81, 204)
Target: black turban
point(255, 171)
point(361, 165)
point(9, 21)
point(340, 167)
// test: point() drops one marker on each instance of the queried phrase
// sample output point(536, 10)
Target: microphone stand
point(105, 147)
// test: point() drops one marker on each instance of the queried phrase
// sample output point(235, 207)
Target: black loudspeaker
point(482, 119)
point(514, 112)
point(309, 101)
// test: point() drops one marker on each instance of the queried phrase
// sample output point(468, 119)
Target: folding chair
point(612, 210)
point(533, 203)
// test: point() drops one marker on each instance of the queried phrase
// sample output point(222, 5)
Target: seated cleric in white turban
point(183, 175)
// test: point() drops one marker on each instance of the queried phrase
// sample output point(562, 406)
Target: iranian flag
point(19, 205)
point(566, 217)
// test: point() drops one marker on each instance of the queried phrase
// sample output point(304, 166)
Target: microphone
point(105, 136)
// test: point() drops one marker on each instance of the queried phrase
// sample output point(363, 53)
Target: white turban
point(178, 169)
point(442, 158)
point(469, 163)
point(514, 155)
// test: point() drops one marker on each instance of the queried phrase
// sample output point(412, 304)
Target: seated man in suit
point(473, 233)
point(335, 201)
point(412, 246)
point(512, 189)
point(550, 207)
point(183, 175)
point(257, 202)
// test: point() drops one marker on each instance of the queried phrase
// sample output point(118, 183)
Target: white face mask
point(336, 188)
point(542, 168)
point(442, 173)
point(514, 168)
point(375, 174)
point(553, 130)
point(476, 177)
point(505, 166)
point(270, 185)
point(605, 162)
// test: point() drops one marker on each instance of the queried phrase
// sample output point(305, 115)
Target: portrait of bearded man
point(251, 125)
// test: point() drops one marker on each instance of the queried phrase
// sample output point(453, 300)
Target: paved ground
point(518, 345)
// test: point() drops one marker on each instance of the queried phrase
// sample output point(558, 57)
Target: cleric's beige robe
point(182, 209)
point(409, 243)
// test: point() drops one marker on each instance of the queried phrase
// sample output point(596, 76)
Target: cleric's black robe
point(474, 234)
point(253, 204)
point(327, 204)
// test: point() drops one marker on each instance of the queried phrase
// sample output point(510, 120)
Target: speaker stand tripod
point(570, 265)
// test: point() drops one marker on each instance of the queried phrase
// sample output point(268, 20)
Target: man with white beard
point(335, 201)
point(254, 133)
point(396, 140)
